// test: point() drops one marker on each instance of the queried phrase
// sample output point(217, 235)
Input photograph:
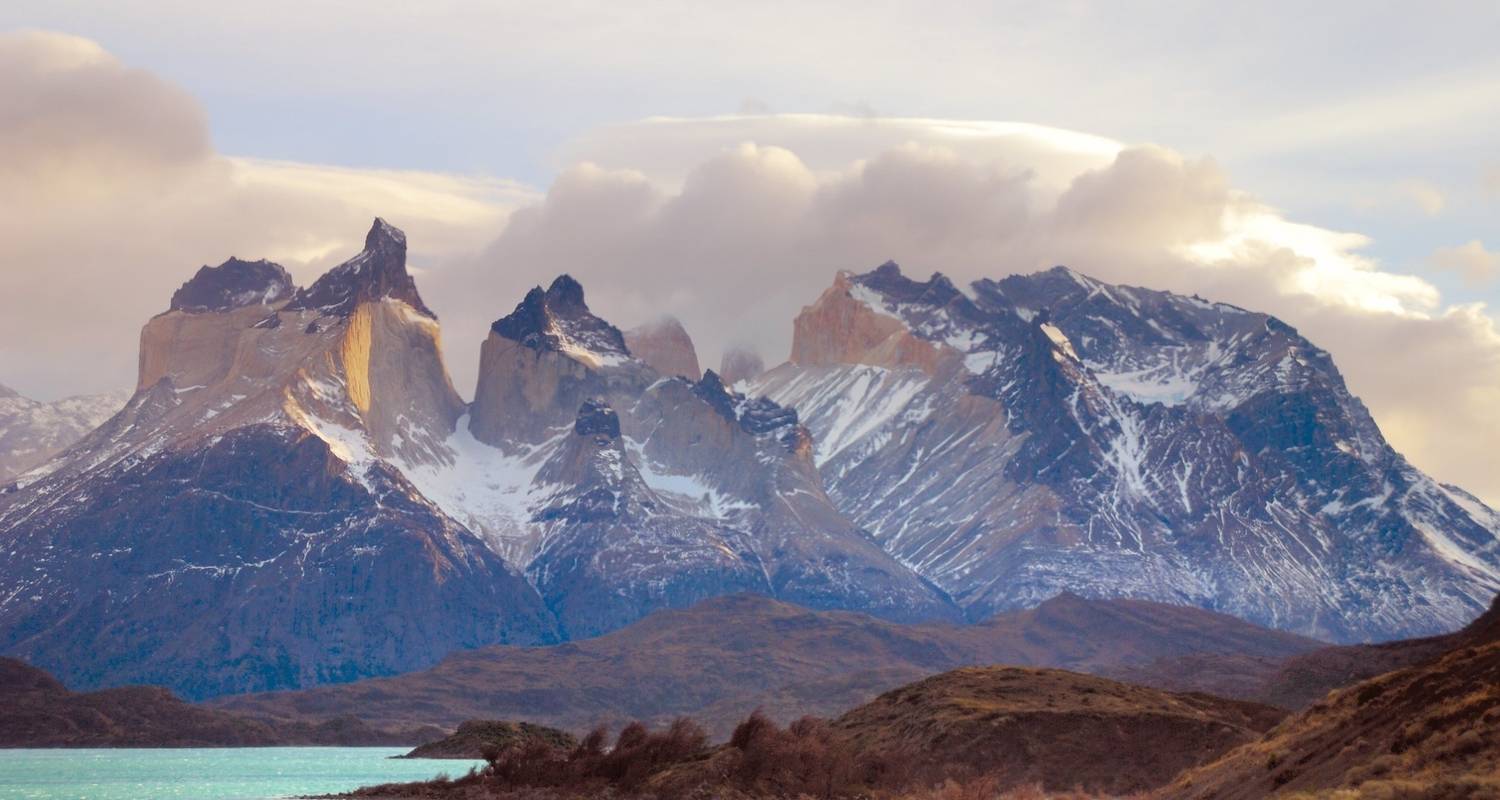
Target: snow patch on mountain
point(694, 494)
point(491, 492)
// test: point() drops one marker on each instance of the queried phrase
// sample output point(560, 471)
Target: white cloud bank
point(112, 195)
point(115, 195)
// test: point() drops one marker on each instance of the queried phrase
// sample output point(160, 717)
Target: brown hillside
point(40, 712)
point(972, 733)
point(1296, 682)
point(725, 657)
point(1059, 729)
point(1426, 731)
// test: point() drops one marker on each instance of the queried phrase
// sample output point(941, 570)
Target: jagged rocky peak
point(236, 283)
point(378, 272)
point(891, 282)
point(665, 346)
point(710, 389)
point(754, 415)
point(558, 319)
point(740, 363)
point(597, 419)
point(882, 318)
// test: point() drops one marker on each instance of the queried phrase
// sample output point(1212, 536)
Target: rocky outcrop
point(477, 737)
point(1050, 432)
point(378, 272)
point(740, 363)
point(233, 284)
point(371, 364)
point(665, 347)
point(841, 328)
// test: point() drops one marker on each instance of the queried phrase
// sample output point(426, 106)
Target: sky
point(1336, 166)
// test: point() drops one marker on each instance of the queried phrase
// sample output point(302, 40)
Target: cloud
point(1478, 267)
point(666, 148)
point(1489, 180)
point(739, 229)
point(1419, 195)
point(124, 196)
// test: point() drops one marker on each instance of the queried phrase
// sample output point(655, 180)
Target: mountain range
point(33, 431)
point(296, 494)
point(723, 658)
point(1050, 432)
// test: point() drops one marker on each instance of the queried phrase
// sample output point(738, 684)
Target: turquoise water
point(242, 773)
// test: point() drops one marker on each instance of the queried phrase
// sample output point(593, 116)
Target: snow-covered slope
point(1051, 432)
point(32, 431)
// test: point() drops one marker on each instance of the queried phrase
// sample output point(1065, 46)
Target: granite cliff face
point(238, 524)
point(1050, 432)
point(665, 347)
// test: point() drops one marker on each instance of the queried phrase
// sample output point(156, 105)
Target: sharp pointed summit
point(379, 271)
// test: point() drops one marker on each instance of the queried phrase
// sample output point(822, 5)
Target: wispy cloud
point(1478, 267)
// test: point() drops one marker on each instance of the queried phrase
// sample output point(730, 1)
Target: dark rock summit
point(558, 319)
point(234, 284)
point(596, 418)
point(378, 271)
point(711, 390)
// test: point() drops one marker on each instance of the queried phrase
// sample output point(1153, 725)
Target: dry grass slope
point(1427, 731)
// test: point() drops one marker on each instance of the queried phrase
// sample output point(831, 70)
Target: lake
point(241, 773)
